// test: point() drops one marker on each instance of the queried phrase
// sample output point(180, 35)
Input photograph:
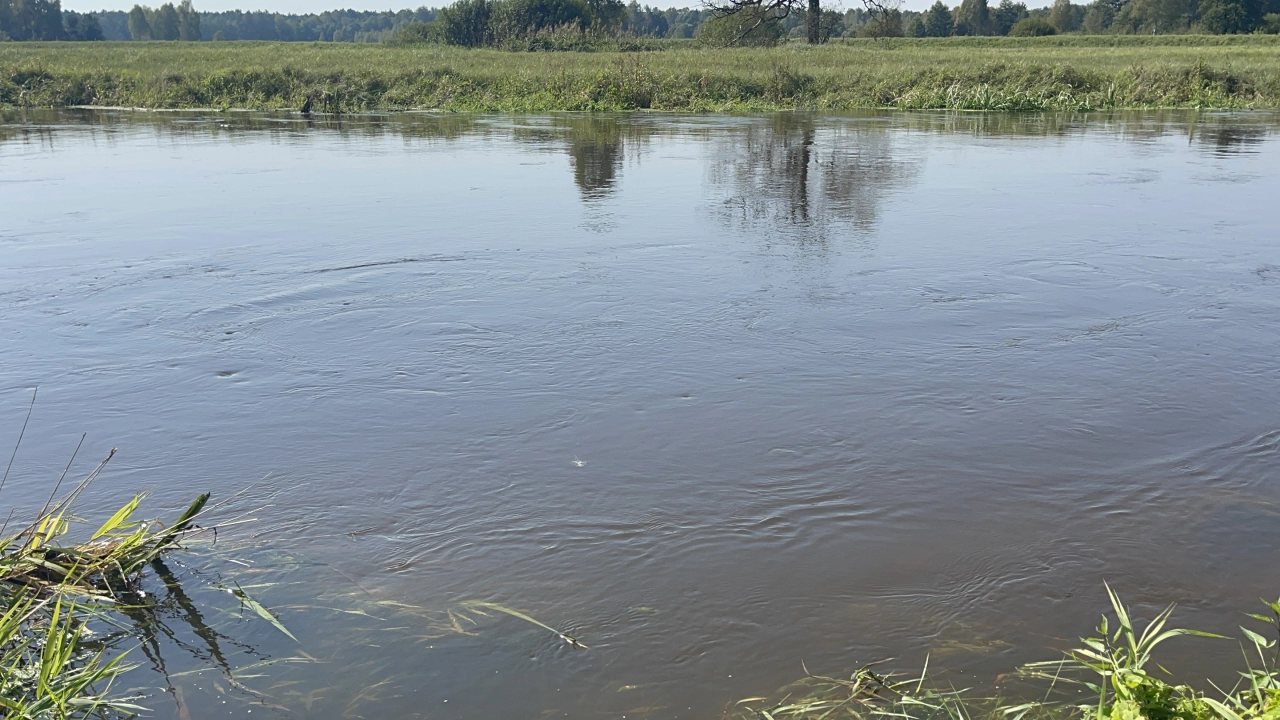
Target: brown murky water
point(714, 395)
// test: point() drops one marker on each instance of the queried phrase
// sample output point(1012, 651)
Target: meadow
point(1070, 73)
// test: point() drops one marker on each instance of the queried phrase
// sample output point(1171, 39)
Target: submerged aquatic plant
point(480, 607)
point(1115, 665)
point(865, 694)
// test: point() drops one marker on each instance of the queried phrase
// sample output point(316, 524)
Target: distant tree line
point(1130, 17)
point(531, 24)
point(166, 22)
point(671, 23)
point(1014, 18)
point(333, 26)
point(45, 20)
point(499, 22)
point(553, 24)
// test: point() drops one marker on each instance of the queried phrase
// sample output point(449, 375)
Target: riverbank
point(1000, 74)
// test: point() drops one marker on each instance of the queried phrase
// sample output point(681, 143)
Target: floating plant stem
point(478, 605)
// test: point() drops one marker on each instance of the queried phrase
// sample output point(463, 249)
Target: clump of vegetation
point(52, 587)
point(44, 671)
point(1115, 667)
point(1032, 27)
point(519, 24)
point(105, 568)
point(417, 33)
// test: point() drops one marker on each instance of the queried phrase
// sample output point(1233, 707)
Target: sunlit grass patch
point(51, 587)
point(994, 74)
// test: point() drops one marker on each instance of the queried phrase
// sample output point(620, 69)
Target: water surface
point(716, 395)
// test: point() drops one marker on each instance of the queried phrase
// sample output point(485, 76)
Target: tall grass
point(1001, 74)
point(53, 586)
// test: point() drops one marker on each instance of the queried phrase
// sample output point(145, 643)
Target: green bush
point(1271, 24)
point(569, 37)
point(516, 20)
point(745, 28)
point(1032, 27)
point(1228, 17)
point(417, 33)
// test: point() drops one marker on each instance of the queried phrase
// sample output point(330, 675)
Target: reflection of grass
point(1008, 74)
point(1114, 668)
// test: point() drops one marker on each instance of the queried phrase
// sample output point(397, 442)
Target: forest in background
point(512, 23)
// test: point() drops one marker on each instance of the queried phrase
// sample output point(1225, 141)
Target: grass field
point(1002, 74)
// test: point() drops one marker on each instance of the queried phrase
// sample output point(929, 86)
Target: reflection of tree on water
point(808, 179)
point(595, 151)
point(1232, 138)
point(596, 146)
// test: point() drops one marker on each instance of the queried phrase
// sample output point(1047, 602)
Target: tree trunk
point(813, 22)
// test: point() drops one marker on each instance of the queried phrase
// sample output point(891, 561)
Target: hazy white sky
point(280, 6)
point(311, 6)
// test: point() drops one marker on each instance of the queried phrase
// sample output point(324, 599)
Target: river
point(716, 396)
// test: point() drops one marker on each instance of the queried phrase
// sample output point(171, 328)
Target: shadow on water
point(174, 634)
point(175, 604)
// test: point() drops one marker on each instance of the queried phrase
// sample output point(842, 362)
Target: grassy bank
point(1003, 74)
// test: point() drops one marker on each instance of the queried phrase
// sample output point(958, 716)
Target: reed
point(52, 587)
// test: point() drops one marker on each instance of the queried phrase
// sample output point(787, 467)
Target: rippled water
point(716, 395)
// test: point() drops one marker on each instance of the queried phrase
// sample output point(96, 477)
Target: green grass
point(1001, 74)
point(1112, 676)
point(51, 590)
point(55, 583)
